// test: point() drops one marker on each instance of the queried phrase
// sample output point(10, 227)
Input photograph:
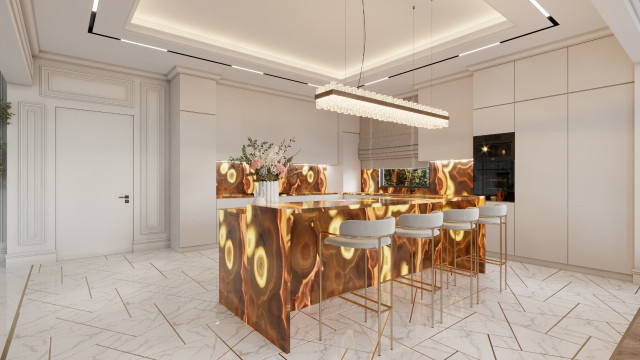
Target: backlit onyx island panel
point(269, 259)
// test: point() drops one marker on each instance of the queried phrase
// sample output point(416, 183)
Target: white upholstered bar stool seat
point(367, 235)
point(464, 220)
point(419, 227)
point(496, 215)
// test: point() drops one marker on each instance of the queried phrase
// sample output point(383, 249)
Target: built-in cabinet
point(572, 113)
point(541, 178)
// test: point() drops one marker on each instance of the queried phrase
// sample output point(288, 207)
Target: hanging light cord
point(364, 42)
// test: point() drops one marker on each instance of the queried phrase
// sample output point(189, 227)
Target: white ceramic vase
point(268, 190)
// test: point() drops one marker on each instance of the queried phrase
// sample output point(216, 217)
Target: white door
point(94, 171)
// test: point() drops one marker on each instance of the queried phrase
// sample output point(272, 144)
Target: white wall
point(572, 112)
point(60, 84)
point(243, 112)
point(456, 141)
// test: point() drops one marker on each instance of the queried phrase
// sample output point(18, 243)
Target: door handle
point(126, 198)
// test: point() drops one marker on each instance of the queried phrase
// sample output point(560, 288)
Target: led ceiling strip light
point(94, 12)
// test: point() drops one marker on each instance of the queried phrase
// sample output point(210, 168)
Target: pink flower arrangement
point(266, 161)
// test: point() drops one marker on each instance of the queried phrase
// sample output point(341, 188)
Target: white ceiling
point(304, 39)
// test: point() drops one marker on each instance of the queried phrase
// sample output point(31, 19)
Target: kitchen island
point(269, 259)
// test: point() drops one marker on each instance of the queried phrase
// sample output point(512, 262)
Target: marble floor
point(164, 305)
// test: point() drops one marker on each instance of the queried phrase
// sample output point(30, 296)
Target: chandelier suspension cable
point(364, 42)
point(430, 52)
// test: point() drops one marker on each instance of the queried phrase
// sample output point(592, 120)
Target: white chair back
point(460, 215)
point(493, 210)
point(432, 220)
point(369, 228)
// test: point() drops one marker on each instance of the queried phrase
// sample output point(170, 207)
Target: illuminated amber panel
point(269, 257)
point(448, 178)
point(303, 179)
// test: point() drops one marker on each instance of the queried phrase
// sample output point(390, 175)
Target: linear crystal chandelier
point(353, 101)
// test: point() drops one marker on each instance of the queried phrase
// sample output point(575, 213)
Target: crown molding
point(582, 38)
point(182, 70)
point(442, 80)
point(31, 26)
point(100, 65)
point(264, 90)
point(19, 26)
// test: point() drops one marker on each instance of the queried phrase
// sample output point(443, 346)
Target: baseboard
point(197, 248)
point(27, 259)
point(147, 245)
point(580, 269)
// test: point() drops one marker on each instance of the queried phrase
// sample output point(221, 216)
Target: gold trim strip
point(224, 342)
point(169, 322)
point(379, 102)
point(161, 273)
point(562, 318)
point(88, 287)
point(194, 280)
point(7, 344)
point(133, 267)
point(123, 304)
point(125, 352)
point(509, 323)
point(582, 347)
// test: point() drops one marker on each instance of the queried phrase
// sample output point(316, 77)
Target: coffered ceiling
point(303, 40)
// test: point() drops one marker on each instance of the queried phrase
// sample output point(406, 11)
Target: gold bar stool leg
point(506, 268)
point(320, 294)
point(411, 253)
point(446, 239)
point(477, 264)
point(421, 268)
point(366, 282)
point(391, 291)
point(500, 254)
point(379, 297)
point(433, 281)
point(471, 261)
point(455, 260)
point(441, 287)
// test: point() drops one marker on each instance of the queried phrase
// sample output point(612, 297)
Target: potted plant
point(5, 115)
point(268, 163)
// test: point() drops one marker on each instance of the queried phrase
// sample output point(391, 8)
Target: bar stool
point(420, 227)
point(464, 220)
point(496, 215)
point(367, 235)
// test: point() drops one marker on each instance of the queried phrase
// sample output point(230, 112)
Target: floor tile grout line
point(207, 257)
point(40, 267)
point(224, 342)
point(581, 347)
point(448, 357)
point(123, 304)
point(551, 275)
point(510, 327)
point(344, 354)
point(562, 318)
point(447, 328)
point(600, 286)
point(12, 330)
point(61, 275)
point(413, 306)
point(381, 332)
point(95, 327)
point(133, 267)
point(492, 349)
point(637, 290)
point(161, 273)
point(523, 265)
point(194, 280)
point(555, 293)
point(50, 341)
point(282, 356)
point(88, 287)
point(67, 307)
point(514, 295)
point(616, 330)
point(169, 322)
point(125, 352)
point(525, 284)
point(609, 306)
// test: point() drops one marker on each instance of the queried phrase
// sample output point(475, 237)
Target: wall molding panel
point(31, 176)
point(153, 159)
point(79, 86)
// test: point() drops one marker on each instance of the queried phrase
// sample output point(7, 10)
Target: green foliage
point(406, 177)
point(5, 115)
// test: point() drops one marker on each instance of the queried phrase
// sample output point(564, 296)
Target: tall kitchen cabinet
point(572, 112)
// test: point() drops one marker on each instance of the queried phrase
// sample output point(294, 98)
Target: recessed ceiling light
point(245, 69)
point(542, 10)
point(482, 48)
point(145, 45)
point(373, 82)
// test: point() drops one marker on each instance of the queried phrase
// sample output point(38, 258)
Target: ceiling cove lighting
point(542, 10)
point(482, 48)
point(94, 10)
point(145, 45)
point(352, 101)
